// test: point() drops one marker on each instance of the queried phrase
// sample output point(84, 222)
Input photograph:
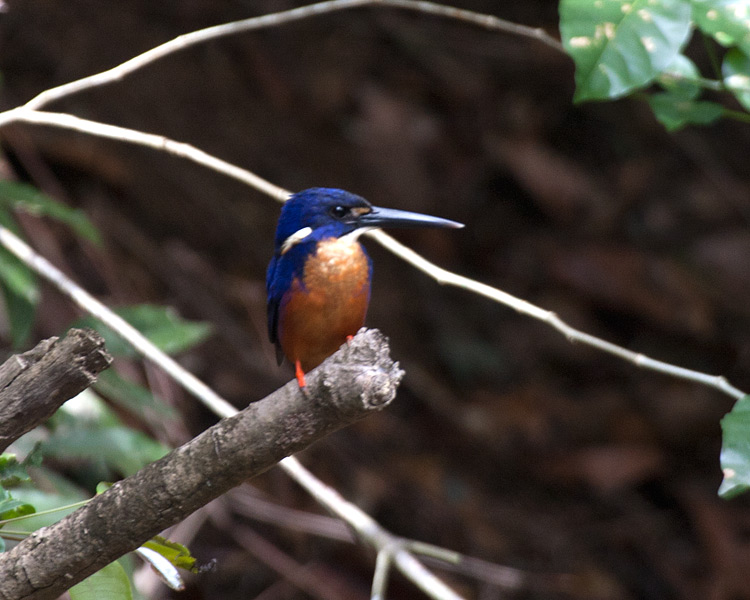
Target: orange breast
point(329, 304)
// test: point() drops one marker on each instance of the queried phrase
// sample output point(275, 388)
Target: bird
point(318, 280)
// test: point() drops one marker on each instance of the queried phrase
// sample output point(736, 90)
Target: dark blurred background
point(594, 478)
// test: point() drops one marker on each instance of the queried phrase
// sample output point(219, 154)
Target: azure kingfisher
point(318, 281)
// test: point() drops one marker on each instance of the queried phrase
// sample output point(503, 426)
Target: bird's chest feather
point(326, 304)
point(337, 274)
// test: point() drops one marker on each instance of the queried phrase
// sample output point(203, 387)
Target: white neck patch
point(295, 239)
point(353, 236)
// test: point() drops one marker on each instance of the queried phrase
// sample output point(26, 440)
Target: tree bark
point(33, 385)
point(357, 380)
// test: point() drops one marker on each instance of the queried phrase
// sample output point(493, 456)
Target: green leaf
point(111, 583)
point(102, 487)
point(736, 71)
point(17, 278)
point(175, 553)
point(10, 508)
point(161, 325)
point(26, 198)
point(122, 449)
point(735, 450)
point(681, 78)
point(621, 46)
point(58, 501)
point(21, 314)
point(675, 112)
point(724, 20)
point(12, 472)
point(18, 285)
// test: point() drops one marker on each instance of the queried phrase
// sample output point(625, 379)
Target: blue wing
point(274, 294)
point(282, 270)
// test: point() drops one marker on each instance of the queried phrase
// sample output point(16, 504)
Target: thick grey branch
point(33, 385)
point(357, 380)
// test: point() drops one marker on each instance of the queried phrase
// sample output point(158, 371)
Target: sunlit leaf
point(675, 112)
point(621, 46)
point(735, 449)
point(680, 78)
point(724, 20)
point(26, 198)
point(736, 71)
point(102, 487)
point(110, 583)
point(177, 554)
point(10, 507)
point(161, 325)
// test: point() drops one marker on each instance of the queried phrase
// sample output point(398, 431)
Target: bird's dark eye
point(338, 211)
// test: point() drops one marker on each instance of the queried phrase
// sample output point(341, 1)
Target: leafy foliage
point(724, 20)
point(11, 474)
point(623, 47)
point(85, 428)
point(111, 583)
point(736, 70)
point(10, 508)
point(28, 199)
point(17, 283)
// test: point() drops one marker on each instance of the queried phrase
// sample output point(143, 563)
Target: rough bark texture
point(33, 385)
point(358, 379)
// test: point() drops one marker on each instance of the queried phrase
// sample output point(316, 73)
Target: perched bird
point(318, 281)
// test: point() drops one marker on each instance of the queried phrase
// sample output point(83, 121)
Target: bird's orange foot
point(299, 374)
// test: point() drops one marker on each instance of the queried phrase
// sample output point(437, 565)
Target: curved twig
point(490, 22)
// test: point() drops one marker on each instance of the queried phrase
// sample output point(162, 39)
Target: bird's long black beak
point(390, 217)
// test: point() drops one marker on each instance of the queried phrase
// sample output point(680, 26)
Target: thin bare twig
point(140, 138)
point(490, 22)
point(445, 277)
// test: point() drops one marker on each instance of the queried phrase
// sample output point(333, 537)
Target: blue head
point(320, 213)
